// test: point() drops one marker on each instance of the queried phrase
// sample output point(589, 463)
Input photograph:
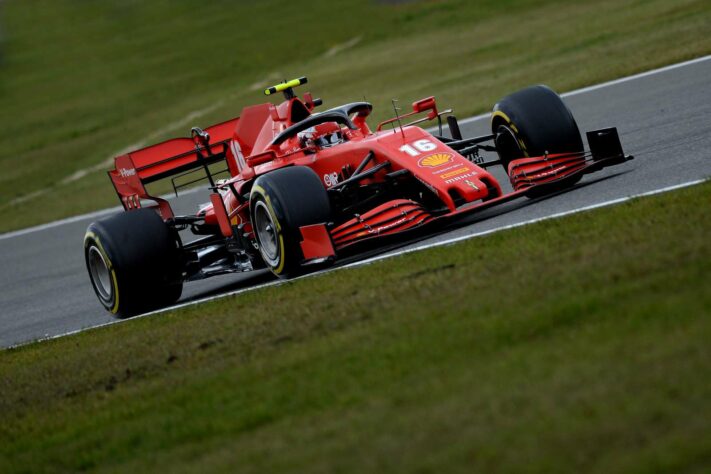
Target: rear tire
point(532, 122)
point(280, 203)
point(134, 262)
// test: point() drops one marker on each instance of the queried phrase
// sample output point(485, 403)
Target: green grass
point(82, 81)
point(573, 345)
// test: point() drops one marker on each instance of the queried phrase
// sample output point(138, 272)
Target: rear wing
point(172, 157)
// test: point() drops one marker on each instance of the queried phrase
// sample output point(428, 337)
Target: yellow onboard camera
point(286, 87)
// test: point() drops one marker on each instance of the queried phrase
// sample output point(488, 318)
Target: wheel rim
point(507, 145)
point(100, 274)
point(266, 233)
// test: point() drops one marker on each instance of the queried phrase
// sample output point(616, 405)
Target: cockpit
point(321, 136)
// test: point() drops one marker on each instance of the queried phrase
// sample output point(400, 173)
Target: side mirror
point(427, 103)
point(260, 158)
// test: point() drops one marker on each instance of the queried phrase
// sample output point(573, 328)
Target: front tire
point(532, 122)
point(134, 262)
point(280, 203)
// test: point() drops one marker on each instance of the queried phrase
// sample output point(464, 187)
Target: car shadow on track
point(466, 221)
point(525, 202)
point(235, 282)
point(225, 284)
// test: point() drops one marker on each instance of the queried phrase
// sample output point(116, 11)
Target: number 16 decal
point(423, 146)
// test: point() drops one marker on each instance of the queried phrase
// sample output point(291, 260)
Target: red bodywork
point(246, 144)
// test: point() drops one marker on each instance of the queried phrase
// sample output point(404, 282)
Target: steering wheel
point(341, 115)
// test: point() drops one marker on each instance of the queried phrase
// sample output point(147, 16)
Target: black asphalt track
point(664, 120)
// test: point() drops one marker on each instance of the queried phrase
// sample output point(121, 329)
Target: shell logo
point(433, 161)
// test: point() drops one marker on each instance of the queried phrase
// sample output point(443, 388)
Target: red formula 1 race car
point(306, 188)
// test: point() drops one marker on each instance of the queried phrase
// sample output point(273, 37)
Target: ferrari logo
point(472, 185)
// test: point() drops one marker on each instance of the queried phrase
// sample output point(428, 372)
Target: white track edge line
point(69, 220)
point(557, 215)
point(612, 82)
point(377, 258)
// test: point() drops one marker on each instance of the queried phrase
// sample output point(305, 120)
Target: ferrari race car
point(306, 188)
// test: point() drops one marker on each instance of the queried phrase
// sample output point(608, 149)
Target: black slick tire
point(134, 262)
point(281, 202)
point(532, 122)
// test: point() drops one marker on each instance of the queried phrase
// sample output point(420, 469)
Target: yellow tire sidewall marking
point(260, 190)
point(114, 283)
point(512, 126)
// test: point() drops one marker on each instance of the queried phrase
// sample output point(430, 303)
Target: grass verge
point(82, 81)
point(572, 345)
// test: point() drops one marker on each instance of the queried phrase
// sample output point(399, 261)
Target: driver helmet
point(324, 135)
